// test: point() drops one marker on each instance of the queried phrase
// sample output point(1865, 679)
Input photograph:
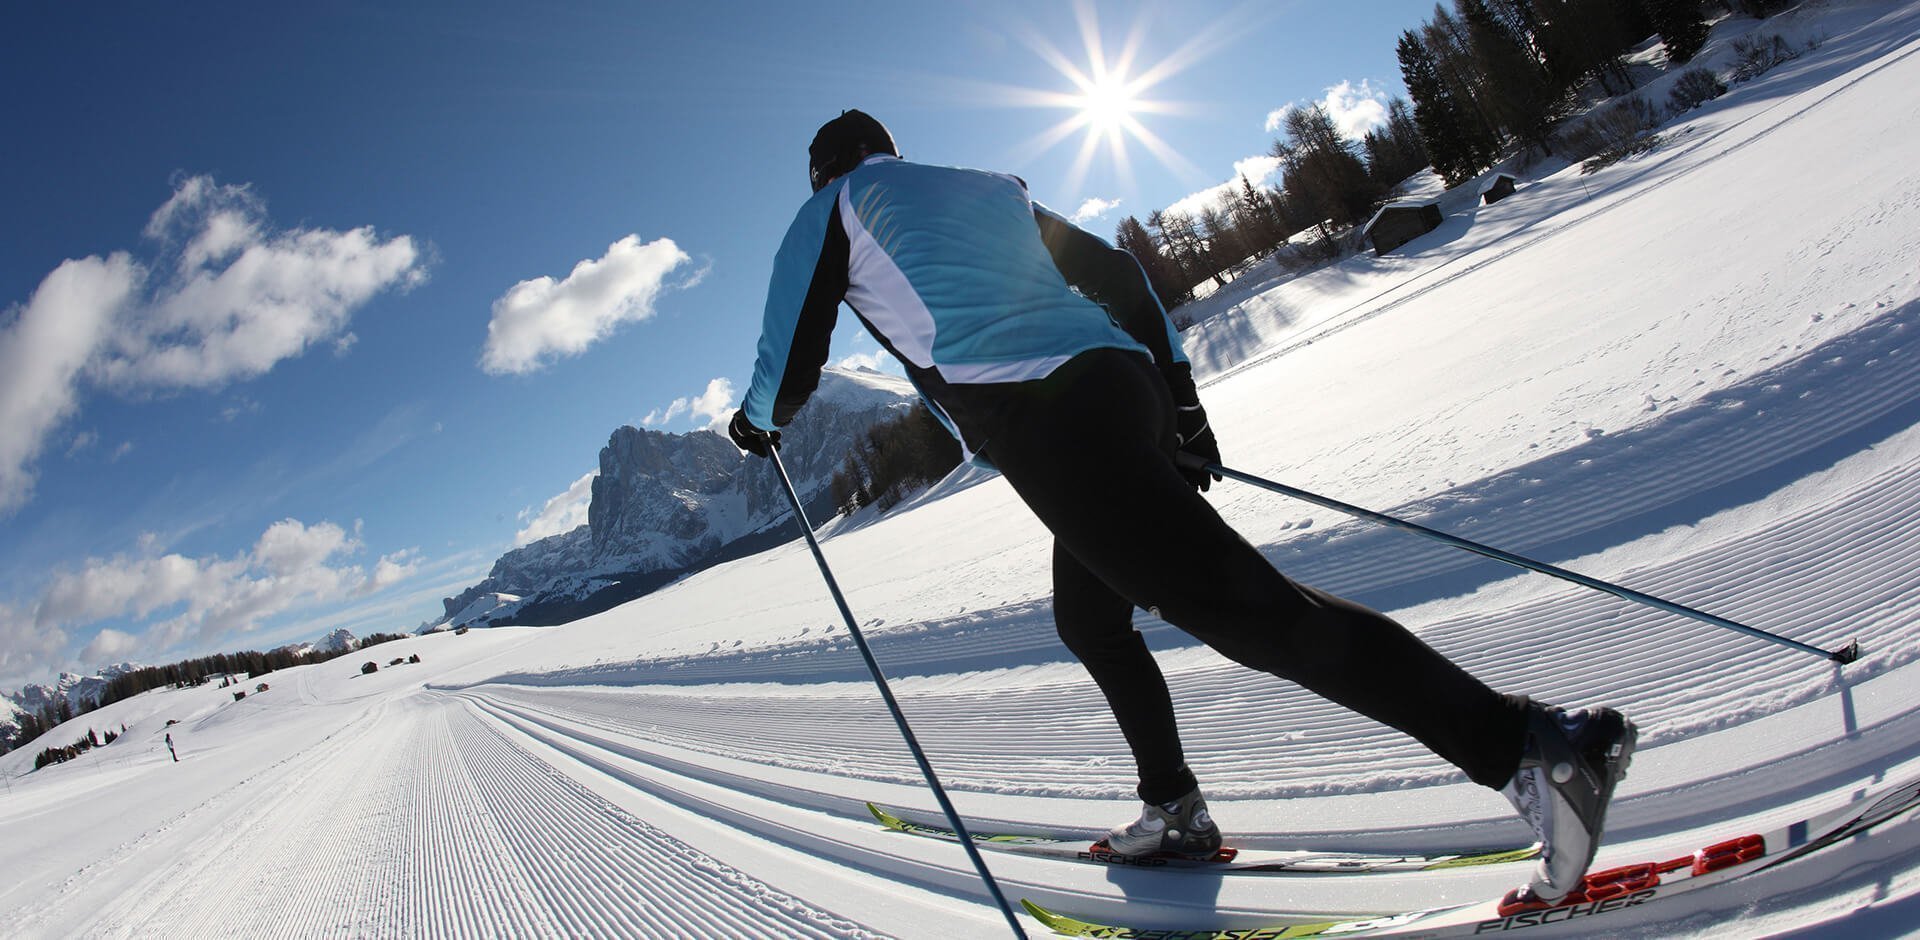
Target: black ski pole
point(893, 706)
point(1845, 654)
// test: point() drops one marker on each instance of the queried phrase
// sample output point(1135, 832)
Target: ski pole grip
point(1187, 461)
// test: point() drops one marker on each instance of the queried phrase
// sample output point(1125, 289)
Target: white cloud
point(202, 599)
point(42, 354)
point(715, 405)
point(289, 547)
point(240, 407)
point(237, 298)
point(542, 319)
point(82, 441)
point(28, 651)
point(245, 297)
point(1356, 109)
point(561, 514)
point(1277, 118)
point(109, 645)
point(871, 361)
point(1263, 170)
point(1094, 209)
point(1260, 171)
point(393, 569)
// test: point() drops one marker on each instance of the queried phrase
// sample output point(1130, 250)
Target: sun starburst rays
point(1107, 100)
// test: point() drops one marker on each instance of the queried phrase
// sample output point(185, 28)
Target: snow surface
point(1696, 372)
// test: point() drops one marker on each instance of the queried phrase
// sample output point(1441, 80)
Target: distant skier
point(170, 750)
point(1046, 353)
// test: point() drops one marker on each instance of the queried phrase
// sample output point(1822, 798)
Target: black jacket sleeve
point(1111, 278)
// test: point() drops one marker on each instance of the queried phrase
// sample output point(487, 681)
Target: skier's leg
point(1091, 454)
point(1096, 625)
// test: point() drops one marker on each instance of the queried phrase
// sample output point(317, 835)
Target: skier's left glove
point(751, 439)
point(1196, 434)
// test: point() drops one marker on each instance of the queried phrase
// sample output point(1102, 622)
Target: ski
point(1600, 893)
point(1237, 861)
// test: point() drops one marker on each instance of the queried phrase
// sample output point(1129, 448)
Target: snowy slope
point(1696, 372)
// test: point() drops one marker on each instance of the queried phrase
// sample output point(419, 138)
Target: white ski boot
point(1181, 827)
point(1572, 762)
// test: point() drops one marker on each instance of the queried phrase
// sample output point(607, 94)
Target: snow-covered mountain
point(667, 504)
point(10, 717)
point(74, 689)
point(77, 691)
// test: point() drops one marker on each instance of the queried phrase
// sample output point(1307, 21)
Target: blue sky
point(311, 311)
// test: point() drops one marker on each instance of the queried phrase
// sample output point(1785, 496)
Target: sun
point(1106, 105)
point(1107, 97)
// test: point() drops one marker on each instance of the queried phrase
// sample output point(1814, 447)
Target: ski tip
point(886, 819)
point(1055, 922)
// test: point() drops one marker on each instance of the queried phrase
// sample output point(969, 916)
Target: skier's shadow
point(1194, 893)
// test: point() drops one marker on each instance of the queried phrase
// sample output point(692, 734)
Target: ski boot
point(1181, 827)
point(1573, 760)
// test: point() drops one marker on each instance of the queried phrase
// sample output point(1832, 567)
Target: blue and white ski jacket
point(959, 275)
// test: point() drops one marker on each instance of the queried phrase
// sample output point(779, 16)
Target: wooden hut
point(1498, 188)
point(1399, 223)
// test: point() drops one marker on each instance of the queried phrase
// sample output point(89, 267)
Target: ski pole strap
point(1844, 655)
point(893, 705)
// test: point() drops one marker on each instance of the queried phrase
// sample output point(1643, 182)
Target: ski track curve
point(1253, 738)
point(427, 815)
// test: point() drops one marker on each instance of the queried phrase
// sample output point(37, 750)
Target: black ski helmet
point(836, 148)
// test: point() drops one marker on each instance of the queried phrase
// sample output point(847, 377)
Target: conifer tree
point(1321, 171)
point(1680, 26)
point(1517, 93)
point(1440, 116)
point(1132, 238)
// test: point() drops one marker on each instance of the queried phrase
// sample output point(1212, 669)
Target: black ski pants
point(1090, 450)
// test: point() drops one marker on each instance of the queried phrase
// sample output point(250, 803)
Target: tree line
point(1487, 78)
point(1328, 184)
point(186, 673)
point(893, 460)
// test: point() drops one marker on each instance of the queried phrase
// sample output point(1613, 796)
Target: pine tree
point(1516, 89)
point(1261, 226)
point(1448, 39)
point(1437, 113)
point(1583, 38)
point(1321, 171)
point(1394, 151)
point(1132, 238)
point(1680, 26)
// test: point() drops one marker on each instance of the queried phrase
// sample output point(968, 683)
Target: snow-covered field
point(1696, 372)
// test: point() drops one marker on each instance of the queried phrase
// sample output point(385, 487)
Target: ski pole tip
point(1846, 654)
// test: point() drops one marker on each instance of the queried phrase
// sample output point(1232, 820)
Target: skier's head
point(842, 143)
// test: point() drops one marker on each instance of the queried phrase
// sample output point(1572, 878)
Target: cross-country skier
point(1046, 353)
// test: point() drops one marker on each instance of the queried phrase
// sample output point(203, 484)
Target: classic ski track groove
point(426, 821)
point(433, 814)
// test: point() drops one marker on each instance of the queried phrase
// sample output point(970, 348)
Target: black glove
point(751, 439)
point(1196, 436)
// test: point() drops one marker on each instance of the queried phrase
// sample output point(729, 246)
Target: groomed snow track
point(722, 795)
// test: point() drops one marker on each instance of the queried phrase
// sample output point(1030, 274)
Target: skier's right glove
point(1196, 435)
point(751, 439)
